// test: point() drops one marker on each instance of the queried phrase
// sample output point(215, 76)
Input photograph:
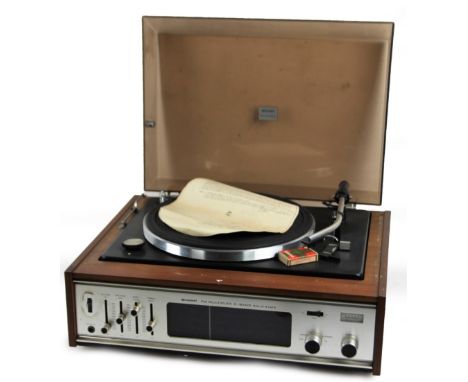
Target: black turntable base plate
point(355, 228)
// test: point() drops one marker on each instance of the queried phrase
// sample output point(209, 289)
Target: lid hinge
point(150, 124)
point(163, 195)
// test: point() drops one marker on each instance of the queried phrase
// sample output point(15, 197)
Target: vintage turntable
point(293, 109)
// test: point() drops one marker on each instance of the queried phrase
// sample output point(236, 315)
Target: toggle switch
point(89, 305)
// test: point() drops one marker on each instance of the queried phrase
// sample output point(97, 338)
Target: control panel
point(222, 323)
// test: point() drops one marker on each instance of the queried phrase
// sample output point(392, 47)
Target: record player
point(292, 109)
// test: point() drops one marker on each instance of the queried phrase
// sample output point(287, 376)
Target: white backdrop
point(71, 155)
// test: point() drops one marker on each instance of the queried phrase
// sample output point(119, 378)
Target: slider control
point(120, 319)
point(136, 309)
point(105, 329)
point(150, 326)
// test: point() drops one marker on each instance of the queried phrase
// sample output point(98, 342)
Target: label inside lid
point(267, 113)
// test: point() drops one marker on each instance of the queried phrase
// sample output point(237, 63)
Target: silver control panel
point(309, 331)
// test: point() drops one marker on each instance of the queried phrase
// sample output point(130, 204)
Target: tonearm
point(341, 198)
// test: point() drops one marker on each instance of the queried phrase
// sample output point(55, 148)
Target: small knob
point(120, 319)
point(313, 342)
point(349, 346)
point(150, 326)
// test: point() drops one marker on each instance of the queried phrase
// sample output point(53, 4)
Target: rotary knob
point(313, 342)
point(349, 346)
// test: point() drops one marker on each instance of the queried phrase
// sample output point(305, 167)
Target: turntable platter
point(239, 246)
point(355, 229)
